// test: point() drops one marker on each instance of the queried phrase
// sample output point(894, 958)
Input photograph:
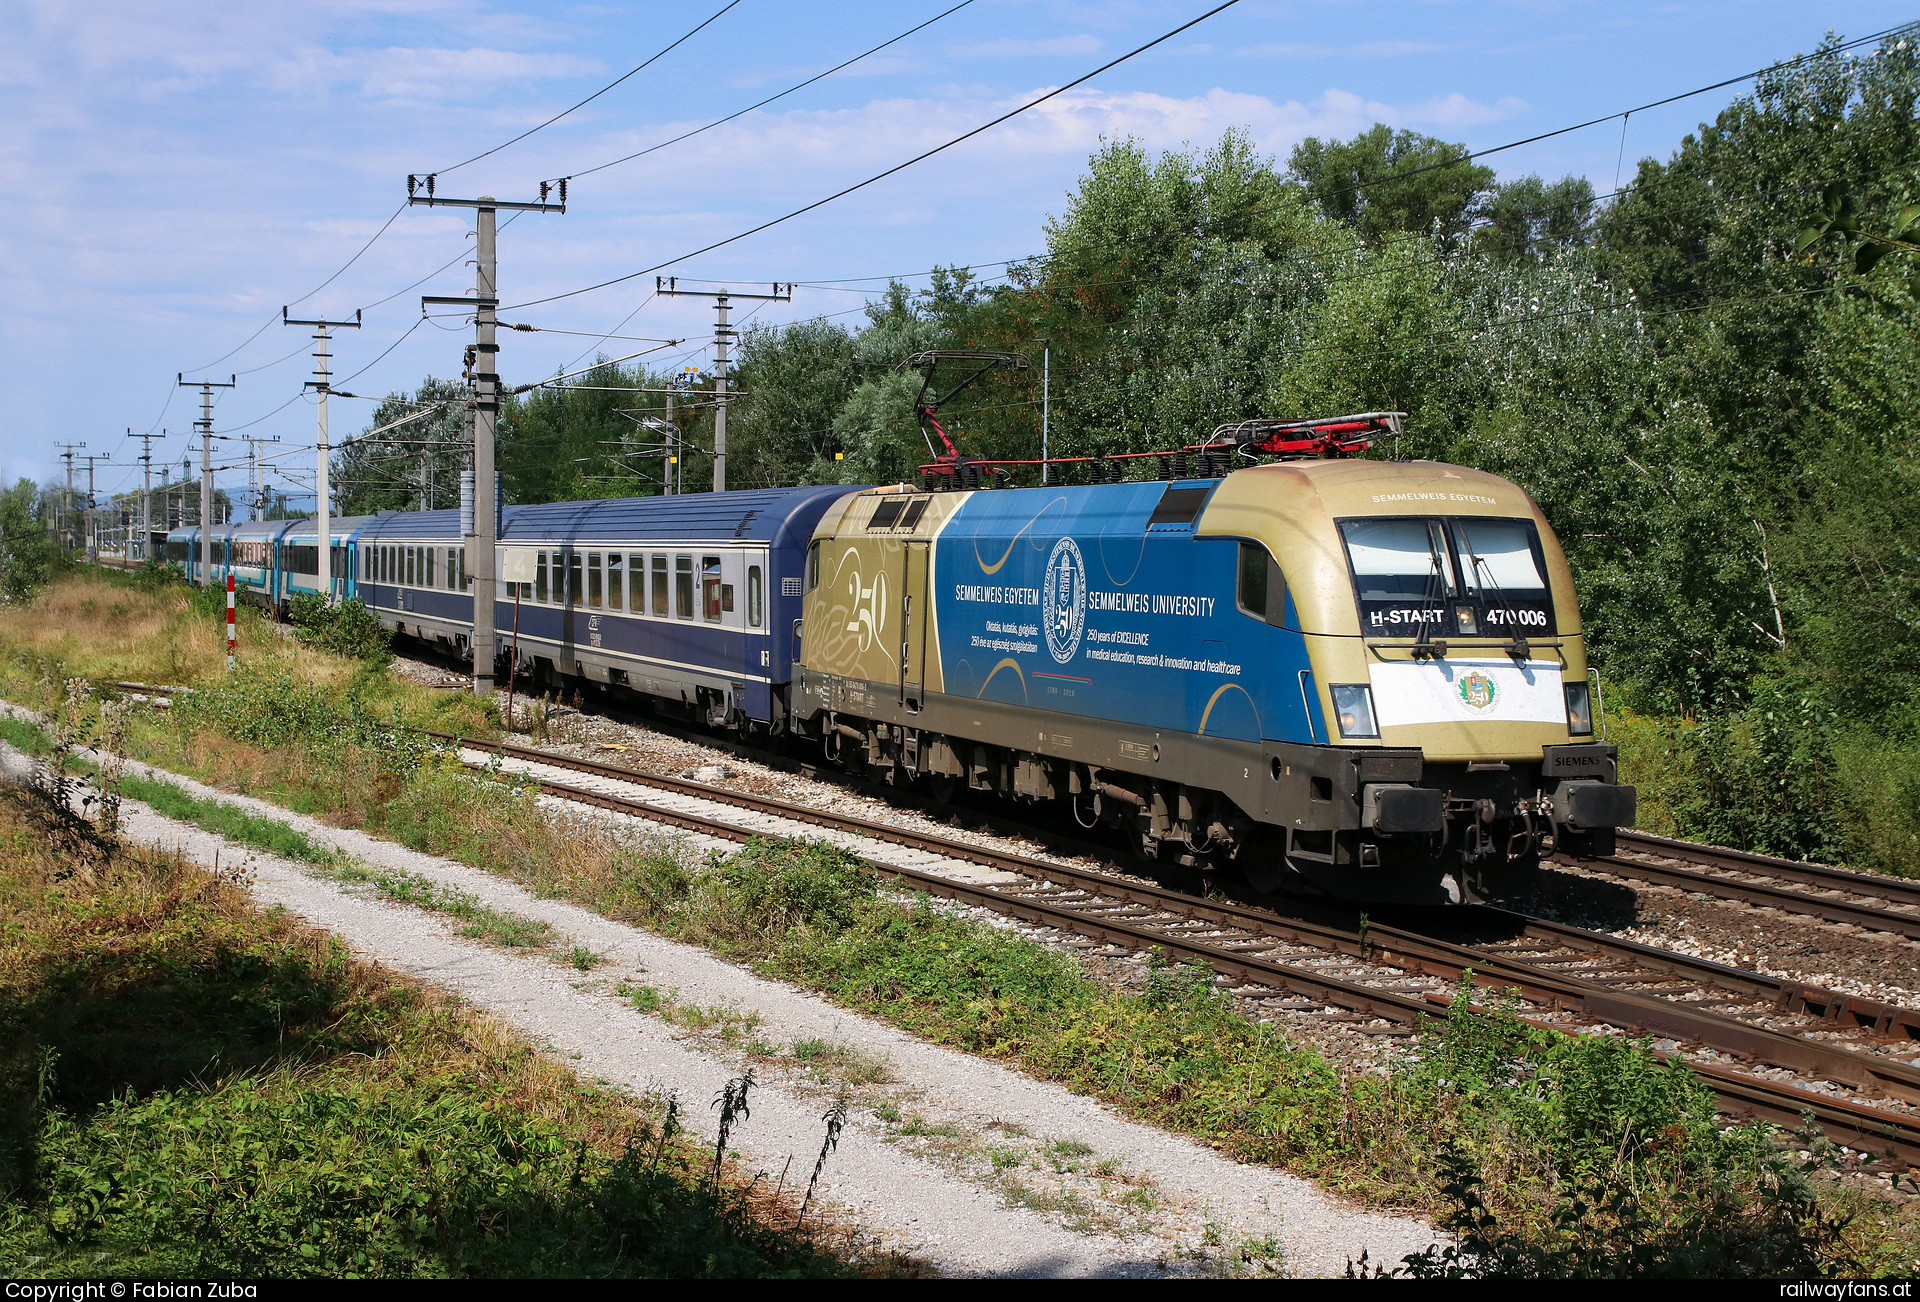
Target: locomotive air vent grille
point(1178, 508)
point(790, 585)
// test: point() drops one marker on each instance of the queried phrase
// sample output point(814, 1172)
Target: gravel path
point(930, 1181)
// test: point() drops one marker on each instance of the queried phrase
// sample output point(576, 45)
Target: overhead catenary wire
point(651, 59)
point(798, 86)
point(898, 167)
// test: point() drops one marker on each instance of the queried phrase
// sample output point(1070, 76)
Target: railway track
point(1574, 979)
point(1383, 978)
point(1867, 900)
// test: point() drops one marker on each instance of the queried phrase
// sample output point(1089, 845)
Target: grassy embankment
point(1565, 1156)
point(191, 1086)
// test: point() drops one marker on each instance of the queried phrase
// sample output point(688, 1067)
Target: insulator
point(543, 192)
point(563, 190)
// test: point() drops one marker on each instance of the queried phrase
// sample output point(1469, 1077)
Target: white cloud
point(1008, 48)
point(1363, 50)
point(399, 72)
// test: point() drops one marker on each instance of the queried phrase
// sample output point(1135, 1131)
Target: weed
point(836, 1119)
point(645, 998)
point(1005, 1159)
point(585, 958)
point(888, 1113)
point(732, 1102)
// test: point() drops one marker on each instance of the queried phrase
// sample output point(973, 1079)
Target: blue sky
point(175, 174)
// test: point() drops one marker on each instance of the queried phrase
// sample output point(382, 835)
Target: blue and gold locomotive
point(1365, 675)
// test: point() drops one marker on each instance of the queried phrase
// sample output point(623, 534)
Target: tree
point(29, 555)
point(1385, 182)
point(1529, 220)
point(412, 467)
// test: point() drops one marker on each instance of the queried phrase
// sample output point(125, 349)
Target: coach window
point(637, 576)
point(426, 580)
point(410, 566)
point(1262, 589)
point(683, 586)
point(593, 580)
point(755, 597)
point(660, 586)
point(539, 576)
point(710, 585)
point(574, 569)
point(616, 582)
point(466, 580)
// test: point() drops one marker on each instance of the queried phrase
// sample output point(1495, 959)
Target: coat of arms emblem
point(1478, 691)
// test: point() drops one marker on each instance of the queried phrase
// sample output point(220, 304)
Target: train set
point(1364, 675)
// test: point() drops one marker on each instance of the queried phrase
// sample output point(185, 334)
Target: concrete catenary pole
point(486, 404)
point(723, 337)
point(205, 426)
point(323, 453)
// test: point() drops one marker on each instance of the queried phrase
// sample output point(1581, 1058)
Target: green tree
point(1385, 182)
point(29, 554)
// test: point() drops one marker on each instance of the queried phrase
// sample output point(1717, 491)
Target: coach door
point(914, 618)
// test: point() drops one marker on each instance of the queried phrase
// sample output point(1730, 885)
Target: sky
point(175, 175)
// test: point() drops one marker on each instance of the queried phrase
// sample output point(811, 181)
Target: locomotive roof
point(759, 515)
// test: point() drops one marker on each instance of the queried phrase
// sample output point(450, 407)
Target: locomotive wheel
point(942, 786)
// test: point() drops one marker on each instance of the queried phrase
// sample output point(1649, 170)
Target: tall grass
point(189, 1086)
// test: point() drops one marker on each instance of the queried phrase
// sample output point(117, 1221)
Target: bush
point(345, 628)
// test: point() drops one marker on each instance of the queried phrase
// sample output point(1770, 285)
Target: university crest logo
point(1478, 691)
point(1063, 600)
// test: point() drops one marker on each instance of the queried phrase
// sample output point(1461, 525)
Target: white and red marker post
point(229, 621)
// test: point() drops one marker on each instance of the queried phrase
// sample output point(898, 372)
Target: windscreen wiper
point(1518, 647)
point(1424, 645)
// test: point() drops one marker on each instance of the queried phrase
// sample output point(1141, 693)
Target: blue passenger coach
point(689, 600)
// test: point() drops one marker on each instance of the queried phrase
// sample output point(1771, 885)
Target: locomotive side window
point(660, 586)
point(710, 585)
point(616, 581)
point(755, 597)
point(1262, 589)
point(683, 586)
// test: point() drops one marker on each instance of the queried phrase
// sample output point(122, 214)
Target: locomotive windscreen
point(1454, 576)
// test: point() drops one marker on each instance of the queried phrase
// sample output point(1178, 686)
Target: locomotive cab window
point(813, 566)
point(1262, 589)
point(1448, 577)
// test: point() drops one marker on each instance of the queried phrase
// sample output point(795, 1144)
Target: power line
point(900, 167)
point(589, 99)
point(771, 98)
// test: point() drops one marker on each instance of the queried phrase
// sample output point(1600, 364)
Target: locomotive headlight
point(1579, 710)
point(1353, 705)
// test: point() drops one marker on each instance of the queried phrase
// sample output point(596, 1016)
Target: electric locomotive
point(1368, 677)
